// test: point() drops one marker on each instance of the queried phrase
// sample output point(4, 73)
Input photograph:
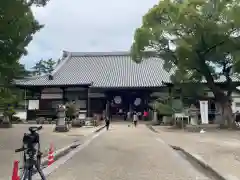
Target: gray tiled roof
point(112, 69)
point(106, 69)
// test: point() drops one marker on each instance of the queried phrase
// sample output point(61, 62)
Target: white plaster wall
point(234, 106)
point(159, 94)
point(52, 93)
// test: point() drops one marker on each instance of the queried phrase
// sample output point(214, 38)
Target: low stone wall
point(197, 128)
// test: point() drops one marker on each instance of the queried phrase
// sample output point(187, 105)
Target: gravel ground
point(219, 148)
point(127, 153)
point(11, 139)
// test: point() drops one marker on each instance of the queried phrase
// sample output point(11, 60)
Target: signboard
point(33, 104)
point(204, 111)
point(82, 116)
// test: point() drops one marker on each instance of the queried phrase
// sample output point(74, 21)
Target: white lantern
point(137, 102)
point(117, 99)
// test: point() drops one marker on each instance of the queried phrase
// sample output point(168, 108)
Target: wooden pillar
point(170, 94)
point(88, 103)
point(107, 107)
point(64, 95)
point(146, 101)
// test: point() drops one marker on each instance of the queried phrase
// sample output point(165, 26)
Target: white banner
point(204, 111)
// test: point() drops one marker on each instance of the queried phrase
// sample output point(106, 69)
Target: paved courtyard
point(11, 139)
point(219, 148)
point(126, 153)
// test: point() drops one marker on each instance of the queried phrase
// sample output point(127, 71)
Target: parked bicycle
point(31, 154)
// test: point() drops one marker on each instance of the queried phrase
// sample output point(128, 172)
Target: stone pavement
point(11, 139)
point(126, 153)
point(219, 148)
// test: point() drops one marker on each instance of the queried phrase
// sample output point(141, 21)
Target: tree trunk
point(218, 116)
point(225, 110)
point(223, 99)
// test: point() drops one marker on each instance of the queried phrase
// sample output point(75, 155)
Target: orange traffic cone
point(50, 155)
point(15, 171)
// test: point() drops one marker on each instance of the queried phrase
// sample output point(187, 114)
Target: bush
point(9, 112)
point(164, 109)
point(16, 119)
point(71, 111)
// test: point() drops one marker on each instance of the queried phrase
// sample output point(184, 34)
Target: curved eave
point(51, 86)
point(218, 83)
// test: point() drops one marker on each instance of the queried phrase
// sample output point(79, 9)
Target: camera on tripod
point(32, 154)
point(30, 140)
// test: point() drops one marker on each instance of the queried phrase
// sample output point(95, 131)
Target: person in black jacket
point(107, 121)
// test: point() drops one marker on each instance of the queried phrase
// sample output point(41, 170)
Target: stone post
point(61, 125)
point(193, 111)
point(155, 119)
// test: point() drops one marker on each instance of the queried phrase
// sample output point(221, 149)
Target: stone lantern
point(61, 125)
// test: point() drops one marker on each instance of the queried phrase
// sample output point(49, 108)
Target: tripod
point(31, 154)
point(29, 168)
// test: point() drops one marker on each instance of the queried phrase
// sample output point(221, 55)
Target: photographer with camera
point(32, 154)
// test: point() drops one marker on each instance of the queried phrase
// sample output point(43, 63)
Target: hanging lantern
point(137, 101)
point(117, 99)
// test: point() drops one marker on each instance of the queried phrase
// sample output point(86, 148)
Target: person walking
point(107, 121)
point(145, 115)
point(124, 115)
point(135, 119)
point(139, 114)
point(129, 116)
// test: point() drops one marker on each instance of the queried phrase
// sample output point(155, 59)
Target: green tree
point(198, 40)
point(43, 67)
point(39, 68)
point(49, 65)
point(17, 28)
point(37, 2)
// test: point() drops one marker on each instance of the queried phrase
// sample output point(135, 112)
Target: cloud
point(86, 25)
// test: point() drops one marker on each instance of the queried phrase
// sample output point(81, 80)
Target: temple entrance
point(126, 101)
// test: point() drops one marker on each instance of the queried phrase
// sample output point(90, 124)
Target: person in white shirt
point(135, 119)
point(129, 115)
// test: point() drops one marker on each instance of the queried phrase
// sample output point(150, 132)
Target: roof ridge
point(110, 53)
point(65, 57)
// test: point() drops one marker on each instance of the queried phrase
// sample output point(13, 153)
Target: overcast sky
point(85, 25)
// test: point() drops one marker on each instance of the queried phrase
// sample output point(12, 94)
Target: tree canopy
point(44, 67)
point(37, 2)
point(197, 39)
point(17, 27)
point(16, 31)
